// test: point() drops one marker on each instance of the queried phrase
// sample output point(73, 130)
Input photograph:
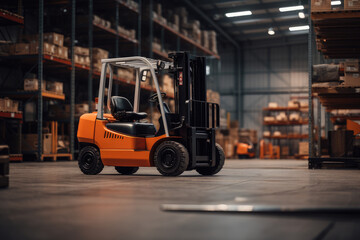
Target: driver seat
point(122, 110)
point(126, 123)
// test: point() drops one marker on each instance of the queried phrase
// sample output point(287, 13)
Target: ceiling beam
point(264, 35)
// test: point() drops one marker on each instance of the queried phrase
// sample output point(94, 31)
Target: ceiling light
point(238, 14)
point(271, 31)
point(293, 8)
point(334, 3)
point(301, 15)
point(299, 28)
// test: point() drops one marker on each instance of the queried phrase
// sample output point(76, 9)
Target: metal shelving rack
point(77, 71)
point(336, 39)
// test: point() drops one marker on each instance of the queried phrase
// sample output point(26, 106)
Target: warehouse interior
point(237, 119)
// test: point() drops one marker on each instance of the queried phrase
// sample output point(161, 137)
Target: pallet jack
point(185, 140)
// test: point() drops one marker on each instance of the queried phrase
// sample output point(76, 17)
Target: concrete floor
point(54, 200)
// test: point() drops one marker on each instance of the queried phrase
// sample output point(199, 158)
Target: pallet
point(319, 162)
point(54, 156)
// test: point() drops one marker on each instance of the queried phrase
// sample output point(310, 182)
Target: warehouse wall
point(272, 74)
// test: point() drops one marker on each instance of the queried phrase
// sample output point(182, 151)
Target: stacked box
point(54, 38)
point(19, 49)
point(30, 142)
point(97, 55)
point(130, 33)
point(212, 96)
point(352, 74)
point(81, 56)
point(320, 5)
point(303, 148)
point(61, 52)
point(56, 87)
point(213, 42)
point(168, 85)
point(205, 39)
point(351, 4)
point(32, 84)
point(48, 48)
point(4, 166)
point(126, 73)
point(8, 105)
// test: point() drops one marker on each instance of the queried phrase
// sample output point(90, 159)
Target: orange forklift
point(117, 136)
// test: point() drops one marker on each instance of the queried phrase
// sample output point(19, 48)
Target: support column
point(40, 78)
point(90, 36)
point(72, 80)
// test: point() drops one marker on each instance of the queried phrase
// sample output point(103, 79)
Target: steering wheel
point(154, 97)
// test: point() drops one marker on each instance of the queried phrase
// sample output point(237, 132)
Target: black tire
point(220, 160)
point(126, 170)
point(171, 158)
point(89, 161)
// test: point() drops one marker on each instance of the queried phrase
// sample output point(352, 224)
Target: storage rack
point(336, 37)
point(284, 125)
point(77, 73)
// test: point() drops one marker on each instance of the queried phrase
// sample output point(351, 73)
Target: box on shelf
point(81, 51)
point(320, 5)
point(325, 73)
point(56, 87)
point(266, 134)
point(293, 104)
point(303, 148)
point(212, 41)
point(126, 73)
point(281, 116)
point(352, 79)
point(294, 117)
point(341, 143)
point(32, 84)
point(8, 105)
point(168, 84)
point(54, 38)
point(351, 4)
point(30, 142)
point(48, 48)
point(61, 52)
point(79, 59)
point(269, 119)
point(272, 105)
point(284, 151)
point(277, 134)
point(19, 49)
point(212, 96)
point(351, 65)
point(205, 39)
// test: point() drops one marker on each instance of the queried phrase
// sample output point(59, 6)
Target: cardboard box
point(351, 66)
point(61, 52)
point(30, 142)
point(56, 87)
point(19, 49)
point(5, 104)
point(352, 4)
point(99, 53)
point(320, 5)
point(125, 73)
point(285, 151)
point(352, 79)
point(81, 51)
point(48, 48)
point(32, 84)
point(54, 38)
point(303, 148)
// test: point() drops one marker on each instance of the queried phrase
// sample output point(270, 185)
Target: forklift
point(117, 136)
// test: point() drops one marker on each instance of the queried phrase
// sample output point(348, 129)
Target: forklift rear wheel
point(89, 161)
point(126, 170)
point(220, 160)
point(171, 158)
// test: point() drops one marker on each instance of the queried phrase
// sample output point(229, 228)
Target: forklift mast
point(201, 117)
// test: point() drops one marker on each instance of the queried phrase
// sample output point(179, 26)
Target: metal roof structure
point(265, 14)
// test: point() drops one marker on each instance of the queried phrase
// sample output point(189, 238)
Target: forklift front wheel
point(89, 160)
point(171, 158)
point(220, 160)
point(126, 170)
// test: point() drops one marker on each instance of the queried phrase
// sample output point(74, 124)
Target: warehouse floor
point(55, 201)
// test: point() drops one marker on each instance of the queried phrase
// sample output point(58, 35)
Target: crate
point(320, 5)
point(352, 4)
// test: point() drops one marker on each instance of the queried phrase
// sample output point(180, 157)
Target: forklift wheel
point(171, 158)
point(126, 170)
point(220, 160)
point(89, 161)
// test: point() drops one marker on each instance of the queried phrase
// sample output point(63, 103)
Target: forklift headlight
point(160, 65)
